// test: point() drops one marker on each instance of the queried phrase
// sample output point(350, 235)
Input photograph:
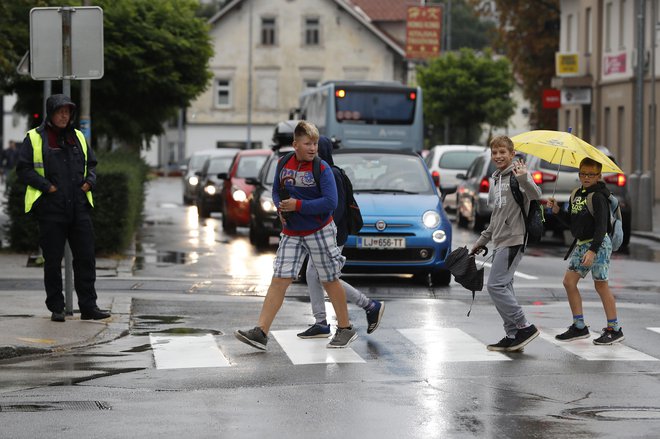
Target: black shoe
point(523, 337)
point(502, 345)
point(94, 314)
point(573, 333)
point(374, 316)
point(255, 337)
point(610, 336)
point(57, 317)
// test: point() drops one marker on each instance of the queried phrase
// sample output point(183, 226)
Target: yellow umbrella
point(561, 148)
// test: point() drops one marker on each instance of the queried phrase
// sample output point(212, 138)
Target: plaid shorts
point(600, 269)
point(322, 249)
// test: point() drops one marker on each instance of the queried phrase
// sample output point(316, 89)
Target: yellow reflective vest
point(31, 193)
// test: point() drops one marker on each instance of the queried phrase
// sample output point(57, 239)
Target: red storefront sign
point(423, 32)
point(551, 98)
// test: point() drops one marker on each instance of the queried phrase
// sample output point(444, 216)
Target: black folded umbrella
point(462, 265)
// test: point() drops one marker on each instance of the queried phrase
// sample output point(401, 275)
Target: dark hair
point(591, 162)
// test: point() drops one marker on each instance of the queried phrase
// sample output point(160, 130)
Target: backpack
point(353, 215)
point(534, 218)
point(615, 223)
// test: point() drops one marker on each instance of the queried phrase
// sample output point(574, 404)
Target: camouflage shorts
point(600, 269)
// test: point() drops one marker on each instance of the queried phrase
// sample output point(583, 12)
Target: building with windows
point(596, 73)
point(268, 51)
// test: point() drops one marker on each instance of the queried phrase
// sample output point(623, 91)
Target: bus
point(366, 114)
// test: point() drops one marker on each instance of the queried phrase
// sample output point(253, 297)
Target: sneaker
point(57, 317)
point(343, 337)
point(523, 337)
point(374, 316)
point(316, 331)
point(94, 314)
point(573, 333)
point(254, 337)
point(610, 336)
point(502, 345)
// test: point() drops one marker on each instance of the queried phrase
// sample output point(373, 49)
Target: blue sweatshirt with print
point(314, 207)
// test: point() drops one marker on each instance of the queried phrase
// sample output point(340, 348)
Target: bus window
point(374, 107)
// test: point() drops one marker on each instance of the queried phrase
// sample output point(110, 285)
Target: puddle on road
point(160, 319)
point(181, 331)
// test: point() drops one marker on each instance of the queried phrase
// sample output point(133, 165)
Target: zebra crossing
point(450, 345)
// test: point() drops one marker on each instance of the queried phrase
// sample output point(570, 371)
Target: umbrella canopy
point(561, 148)
point(462, 266)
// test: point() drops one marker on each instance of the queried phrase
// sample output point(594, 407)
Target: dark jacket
point(325, 152)
point(583, 224)
point(64, 167)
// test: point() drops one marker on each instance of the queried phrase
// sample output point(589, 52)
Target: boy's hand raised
point(519, 168)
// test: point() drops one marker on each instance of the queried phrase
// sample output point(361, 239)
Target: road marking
point(516, 273)
point(654, 330)
point(184, 352)
point(586, 349)
point(451, 345)
point(313, 350)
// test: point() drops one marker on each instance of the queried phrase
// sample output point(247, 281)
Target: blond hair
point(501, 141)
point(305, 128)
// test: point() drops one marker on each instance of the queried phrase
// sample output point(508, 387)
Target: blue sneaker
point(374, 316)
point(316, 331)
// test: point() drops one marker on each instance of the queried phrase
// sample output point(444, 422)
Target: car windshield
point(378, 172)
point(457, 159)
point(219, 164)
point(249, 166)
point(197, 162)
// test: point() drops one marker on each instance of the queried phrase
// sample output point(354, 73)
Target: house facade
point(268, 51)
point(596, 73)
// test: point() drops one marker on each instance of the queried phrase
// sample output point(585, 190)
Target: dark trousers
point(52, 238)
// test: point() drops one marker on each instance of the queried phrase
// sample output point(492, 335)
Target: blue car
point(406, 230)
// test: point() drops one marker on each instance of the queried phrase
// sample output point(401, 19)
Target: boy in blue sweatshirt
point(305, 210)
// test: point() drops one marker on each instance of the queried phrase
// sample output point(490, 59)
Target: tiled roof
point(384, 10)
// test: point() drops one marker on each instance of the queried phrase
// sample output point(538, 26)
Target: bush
point(118, 205)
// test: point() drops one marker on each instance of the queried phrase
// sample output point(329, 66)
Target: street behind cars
point(406, 229)
point(236, 191)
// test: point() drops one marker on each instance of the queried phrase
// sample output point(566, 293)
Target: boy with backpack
point(373, 308)
point(591, 253)
point(305, 210)
point(507, 230)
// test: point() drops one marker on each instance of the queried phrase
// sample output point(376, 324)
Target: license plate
point(380, 242)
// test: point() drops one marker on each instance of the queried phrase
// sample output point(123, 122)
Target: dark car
point(208, 198)
point(472, 193)
point(190, 174)
point(235, 189)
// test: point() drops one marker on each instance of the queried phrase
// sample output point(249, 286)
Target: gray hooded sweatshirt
point(507, 226)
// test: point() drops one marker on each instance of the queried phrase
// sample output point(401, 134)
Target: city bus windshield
point(384, 107)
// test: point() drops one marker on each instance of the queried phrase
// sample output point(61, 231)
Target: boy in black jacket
point(592, 253)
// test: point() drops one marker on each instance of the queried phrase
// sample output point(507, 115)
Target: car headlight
point(210, 189)
point(267, 204)
point(193, 181)
point(431, 219)
point(239, 195)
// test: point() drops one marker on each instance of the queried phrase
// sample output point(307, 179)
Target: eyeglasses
point(588, 175)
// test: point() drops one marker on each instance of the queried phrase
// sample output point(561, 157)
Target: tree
point(470, 90)
point(467, 29)
point(529, 35)
point(155, 62)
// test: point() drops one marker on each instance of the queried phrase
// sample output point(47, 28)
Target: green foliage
point(155, 62)
point(470, 90)
point(118, 201)
point(467, 29)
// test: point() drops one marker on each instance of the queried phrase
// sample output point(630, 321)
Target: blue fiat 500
point(406, 230)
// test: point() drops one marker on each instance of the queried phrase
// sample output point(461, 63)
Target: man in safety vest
point(58, 168)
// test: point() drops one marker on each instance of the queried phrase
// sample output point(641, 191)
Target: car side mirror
point(254, 181)
point(198, 173)
point(446, 190)
point(223, 176)
point(461, 176)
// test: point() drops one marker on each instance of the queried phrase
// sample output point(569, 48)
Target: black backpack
point(534, 218)
point(353, 215)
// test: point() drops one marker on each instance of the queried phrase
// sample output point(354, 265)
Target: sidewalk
point(26, 329)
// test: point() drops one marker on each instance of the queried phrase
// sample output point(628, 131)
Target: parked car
point(208, 197)
point(447, 161)
point(406, 229)
point(236, 191)
point(561, 180)
point(472, 193)
point(190, 177)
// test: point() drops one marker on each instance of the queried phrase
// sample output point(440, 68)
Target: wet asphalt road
point(413, 381)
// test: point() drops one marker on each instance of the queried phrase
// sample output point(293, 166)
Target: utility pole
point(249, 94)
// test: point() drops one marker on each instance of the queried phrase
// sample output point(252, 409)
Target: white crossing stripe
point(313, 350)
point(654, 330)
point(586, 349)
point(183, 352)
point(451, 345)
